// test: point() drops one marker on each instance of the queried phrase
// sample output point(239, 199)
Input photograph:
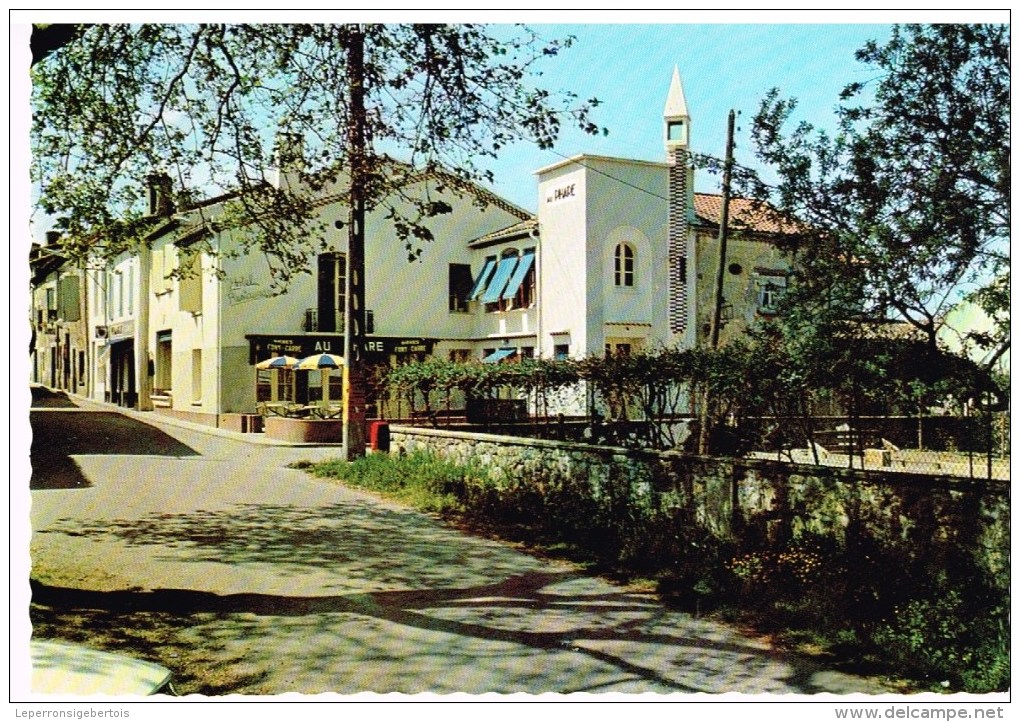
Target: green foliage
point(796, 586)
point(907, 207)
point(937, 628)
point(648, 386)
point(843, 596)
point(942, 639)
point(762, 388)
point(112, 103)
point(420, 480)
point(429, 383)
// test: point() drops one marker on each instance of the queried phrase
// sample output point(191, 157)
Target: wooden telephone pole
point(353, 434)
point(724, 218)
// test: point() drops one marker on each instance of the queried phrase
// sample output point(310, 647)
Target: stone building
point(755, 270)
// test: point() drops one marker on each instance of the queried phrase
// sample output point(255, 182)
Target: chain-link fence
point(972, 446)
point(717, 403)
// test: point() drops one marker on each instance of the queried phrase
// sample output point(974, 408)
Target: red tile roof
point(745, 214)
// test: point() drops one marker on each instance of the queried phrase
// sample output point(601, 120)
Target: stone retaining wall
point(755, 501)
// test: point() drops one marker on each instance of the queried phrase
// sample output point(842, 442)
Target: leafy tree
point(205, 103)
point(906, 209)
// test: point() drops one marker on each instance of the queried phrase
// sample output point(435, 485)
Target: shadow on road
point(58, 434)
point(44, 398)
point(596, 637)
point(366, 544)
point(456, 603)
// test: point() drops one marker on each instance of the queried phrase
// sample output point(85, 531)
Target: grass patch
point(421, 481)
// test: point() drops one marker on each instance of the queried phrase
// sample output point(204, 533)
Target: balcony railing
point(311, 322)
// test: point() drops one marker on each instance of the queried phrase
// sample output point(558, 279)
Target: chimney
point(288, 158)
point(159, 185)
point(52, 238)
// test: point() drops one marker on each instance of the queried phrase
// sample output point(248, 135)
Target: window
point(163, 381)
point(561, 351)
point(493, 296)
point(69, 301)
point(623, 267)
point(131, 289)
point(332, 278)
point(460, 355)
point(676, 132)
point(196, 376)
point(460, 287)
point(99, 293)
point(520, 291)
point(771, 290)
point(506, 282)
point(191, 284)
point(276, 384)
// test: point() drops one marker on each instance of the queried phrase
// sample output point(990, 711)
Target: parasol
point(323, 362)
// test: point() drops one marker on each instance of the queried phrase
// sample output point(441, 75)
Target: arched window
point(624, 265)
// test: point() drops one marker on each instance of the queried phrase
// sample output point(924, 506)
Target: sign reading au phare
point(262, 347)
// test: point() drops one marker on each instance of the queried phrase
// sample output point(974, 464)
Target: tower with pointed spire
point(676, 136)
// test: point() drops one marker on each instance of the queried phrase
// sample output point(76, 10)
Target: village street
point(205, 553)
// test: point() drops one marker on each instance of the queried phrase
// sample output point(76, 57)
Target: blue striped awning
point(490, 263)
point(498, 355)
point(503, 272)
point(518, 278)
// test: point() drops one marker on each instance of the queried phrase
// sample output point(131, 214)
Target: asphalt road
point(207, 554)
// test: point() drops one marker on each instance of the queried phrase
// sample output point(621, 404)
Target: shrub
point(944, 640)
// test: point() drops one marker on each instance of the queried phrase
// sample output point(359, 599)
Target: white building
point(57, 350)
point(113, 303)
point(603, 258)
point(602, 267)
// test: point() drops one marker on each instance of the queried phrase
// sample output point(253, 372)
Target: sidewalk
point(155, 418)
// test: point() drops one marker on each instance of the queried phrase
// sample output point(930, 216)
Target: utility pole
point(724, 218)
point(353, 433)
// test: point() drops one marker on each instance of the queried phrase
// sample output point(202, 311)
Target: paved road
point(246, 576)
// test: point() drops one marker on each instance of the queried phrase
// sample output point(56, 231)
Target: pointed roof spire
point(676, 103)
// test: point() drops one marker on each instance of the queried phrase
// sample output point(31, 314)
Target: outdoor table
point(325, 412)
point(281, 409)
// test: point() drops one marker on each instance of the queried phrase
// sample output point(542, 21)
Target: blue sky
point(727, 59)
point(723, 67)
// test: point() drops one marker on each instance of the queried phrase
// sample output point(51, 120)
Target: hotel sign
point(561, 194)
point(377, 348)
